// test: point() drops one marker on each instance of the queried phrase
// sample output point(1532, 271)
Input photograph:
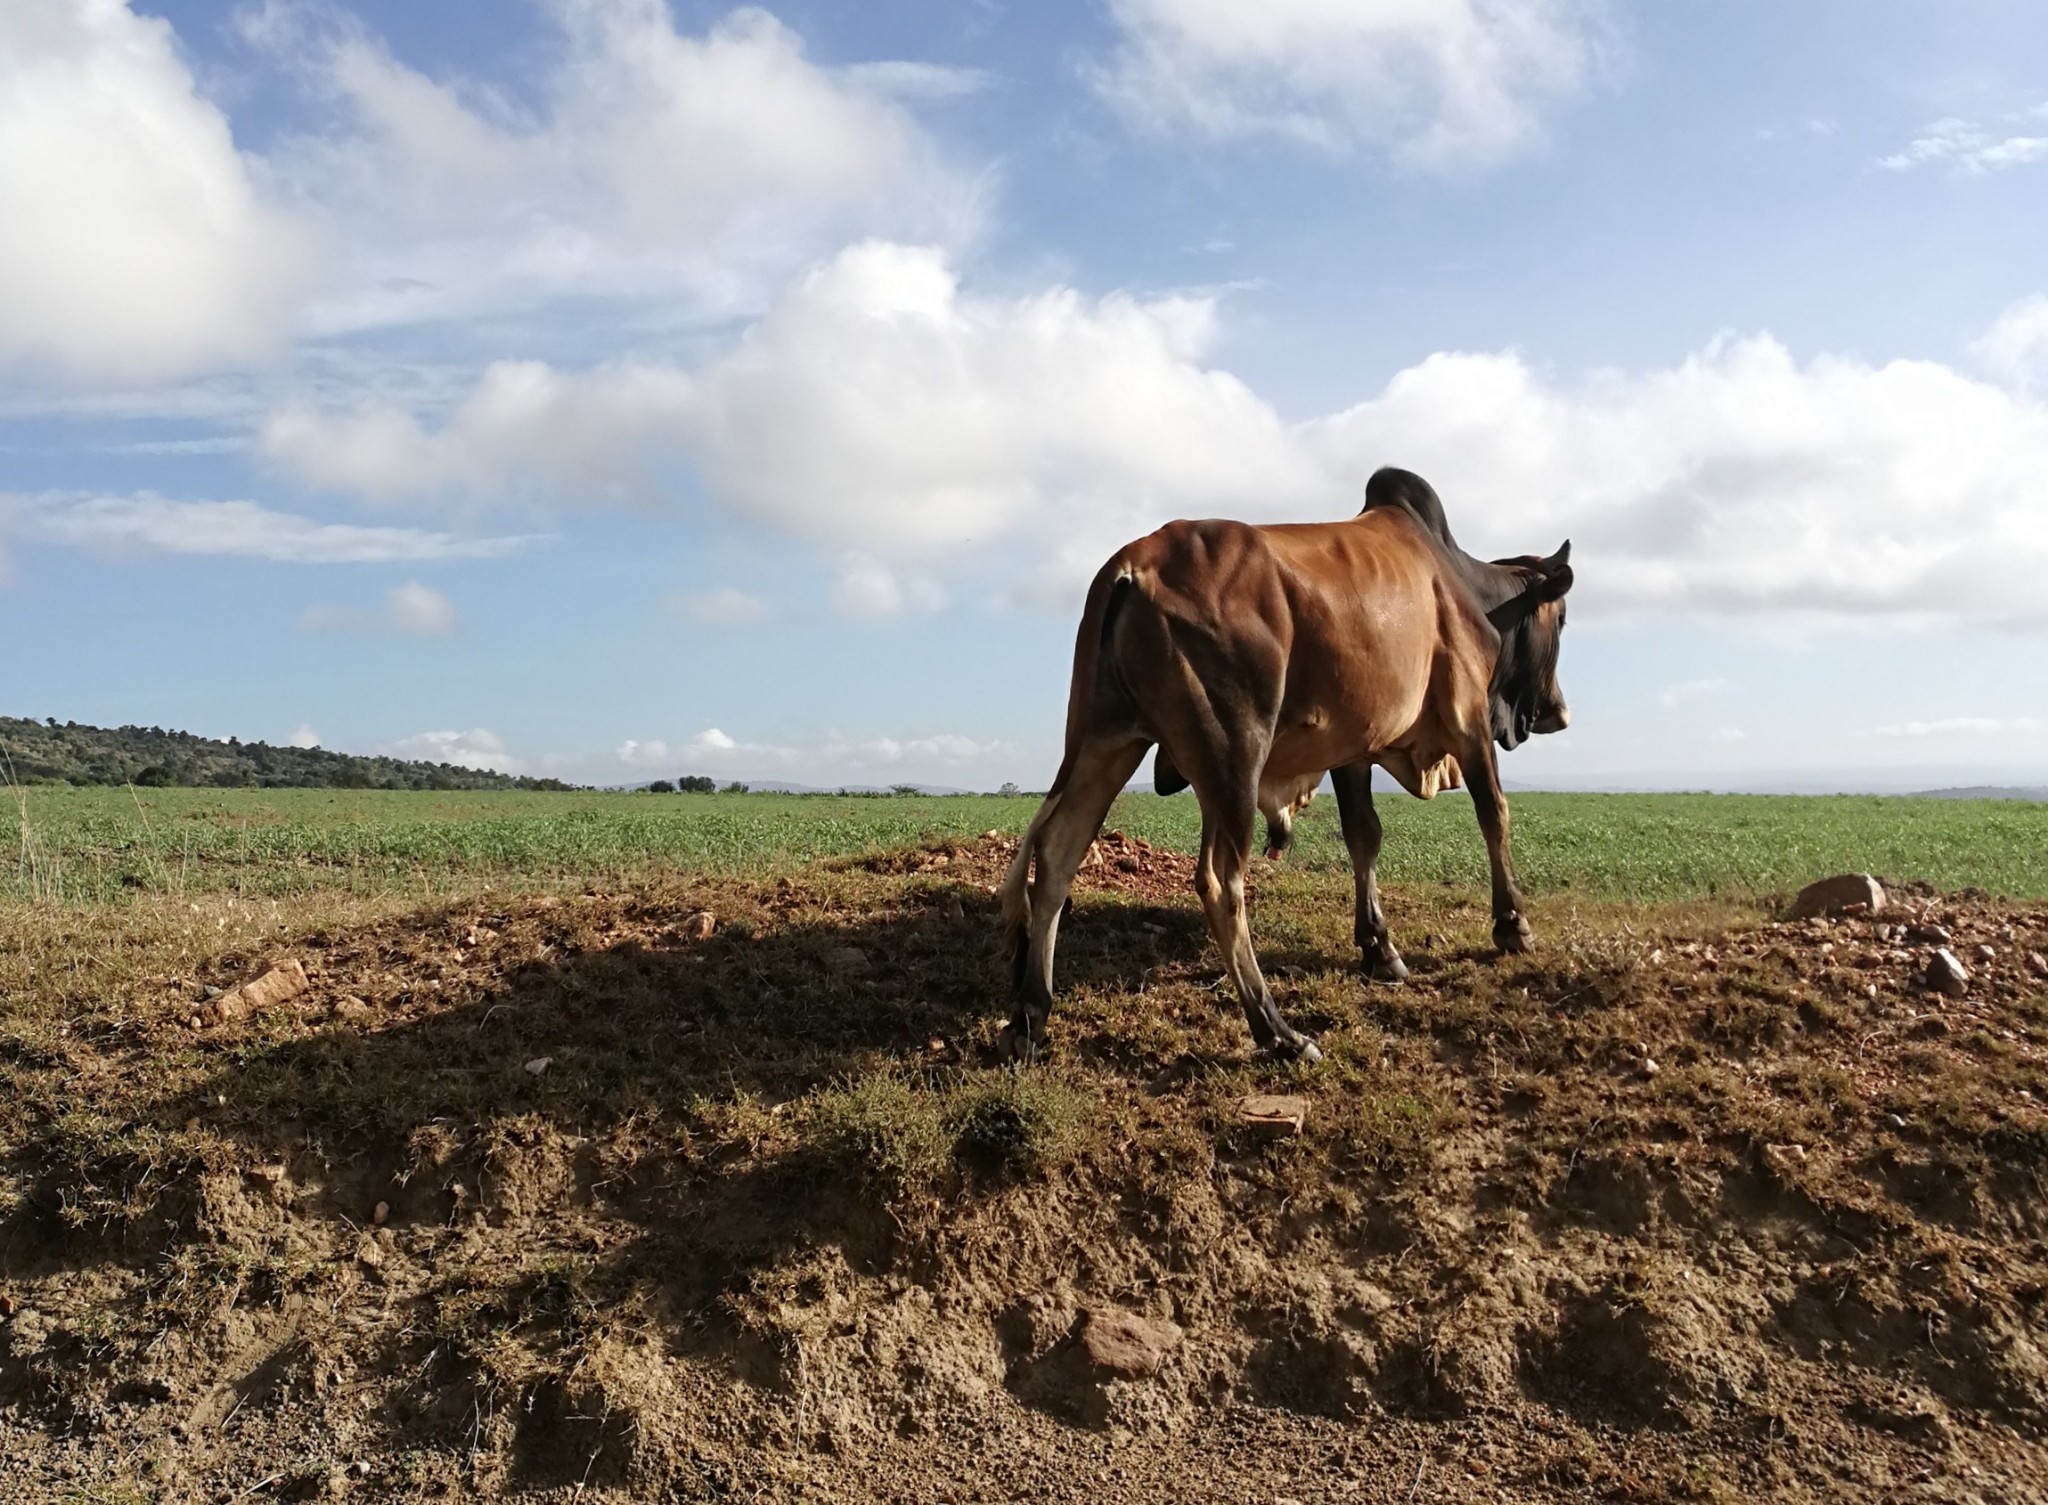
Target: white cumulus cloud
point(652, 753)
point(411, 610)
point(133, 240)
point(476, 748)
point(930, 419)
point(869, 590)
point(829, 759)
point(1437, 83)
point(145, 523)
point(1969, 147)
point(2016, 345)
point(1023, 438)
point(650, 162)
point(1739, 481)
point(303, 735)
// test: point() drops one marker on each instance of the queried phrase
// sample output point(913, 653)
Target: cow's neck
point(1492, 585)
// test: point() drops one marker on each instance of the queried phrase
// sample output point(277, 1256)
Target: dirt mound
point(1115, 864)
point(526, 1198)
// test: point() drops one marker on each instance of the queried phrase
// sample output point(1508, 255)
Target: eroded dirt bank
point(518, 1199)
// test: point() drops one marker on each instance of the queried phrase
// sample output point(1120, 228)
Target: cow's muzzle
point(1556, 719)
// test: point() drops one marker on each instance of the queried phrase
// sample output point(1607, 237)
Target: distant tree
point(156, 776)
point(1009, 789)
point(661, 786)
point(903, 788)
point(696, 783)
point(735, 787)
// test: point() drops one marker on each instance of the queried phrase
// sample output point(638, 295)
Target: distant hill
point(44, 752)
point(1983, 792)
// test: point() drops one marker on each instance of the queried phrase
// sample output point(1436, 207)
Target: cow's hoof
point(1016, 1046)
point(1301, 1048)
point(1386, 968)
point(1513, 935)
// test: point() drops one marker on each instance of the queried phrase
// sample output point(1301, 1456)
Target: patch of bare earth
point(557, 1198)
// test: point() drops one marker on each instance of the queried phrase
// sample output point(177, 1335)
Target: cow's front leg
point(1219, 879)
point(1510, 929)
point(1361, 822)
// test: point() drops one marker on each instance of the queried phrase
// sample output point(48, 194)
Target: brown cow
point(1259, 658)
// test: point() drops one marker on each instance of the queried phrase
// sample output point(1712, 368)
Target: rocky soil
point(717, 1191)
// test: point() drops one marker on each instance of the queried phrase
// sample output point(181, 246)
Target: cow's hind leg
point(1095, 776)
point(1510, 929)
point(1219, 879)
point(1362, 838)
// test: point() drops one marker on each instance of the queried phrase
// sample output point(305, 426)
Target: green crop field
point(99, 844)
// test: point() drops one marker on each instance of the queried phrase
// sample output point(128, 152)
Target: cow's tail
point(1103, 592)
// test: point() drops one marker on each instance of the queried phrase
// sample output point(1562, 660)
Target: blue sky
point(613, 390)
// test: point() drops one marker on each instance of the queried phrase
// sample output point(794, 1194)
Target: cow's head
point(1525, 696)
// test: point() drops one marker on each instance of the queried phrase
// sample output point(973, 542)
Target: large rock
point(1839, 895)
point(285, 980)
point(1122, 1345)
point(1946, 975)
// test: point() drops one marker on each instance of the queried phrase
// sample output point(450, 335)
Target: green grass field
point(99, 844)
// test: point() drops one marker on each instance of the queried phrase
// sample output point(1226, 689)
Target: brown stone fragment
point(698, 927)
point(1278, 1117)
point(1945, 974)
point(1842, 894)
point(1122, 1345)
point(285, 980)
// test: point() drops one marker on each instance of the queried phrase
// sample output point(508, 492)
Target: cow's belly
point(1409, 745)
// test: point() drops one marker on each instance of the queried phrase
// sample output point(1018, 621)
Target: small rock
point(849, 959)
point(285, 980)
point(539, 1065)
point(1839, 895)
point(351, 1009)
point(699, 926)
point(2037, 964)
point(1275, 1117)
point(380, 1214)
point(1122, 1345)
point(1987, 953)
point(1927, 935)
point(1945, 974)
point(1650, 1066)
point(369, 1254)
point(1895, 1121)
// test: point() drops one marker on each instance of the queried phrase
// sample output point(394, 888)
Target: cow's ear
point(1557, 574)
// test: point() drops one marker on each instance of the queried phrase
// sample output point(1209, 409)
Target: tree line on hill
point(50, 752)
